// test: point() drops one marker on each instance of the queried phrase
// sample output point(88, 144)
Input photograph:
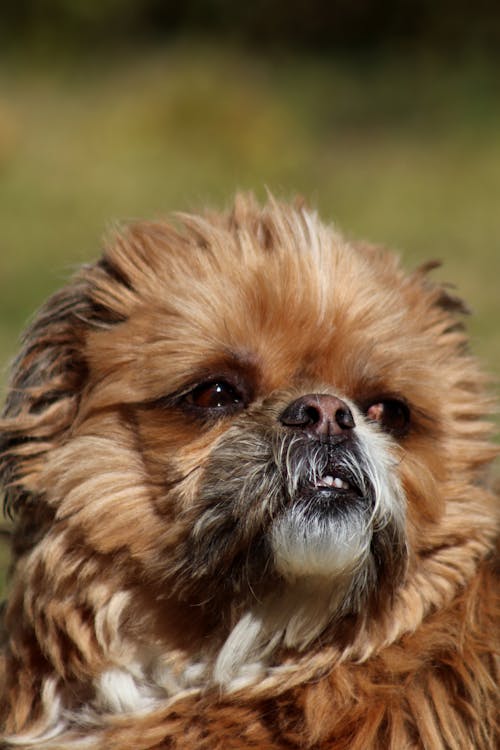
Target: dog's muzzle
point(321, 451)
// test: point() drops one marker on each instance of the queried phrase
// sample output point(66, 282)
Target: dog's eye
point(215, 395)
point(392, 415)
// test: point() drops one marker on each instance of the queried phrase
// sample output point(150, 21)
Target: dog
point(249, 465)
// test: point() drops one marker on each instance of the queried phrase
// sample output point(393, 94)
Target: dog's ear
point(441, 295)
point(48, 377)
point(445, 297)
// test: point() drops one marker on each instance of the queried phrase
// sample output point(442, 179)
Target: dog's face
point(249, 429)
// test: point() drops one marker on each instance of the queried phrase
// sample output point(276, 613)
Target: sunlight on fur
point(248, 463)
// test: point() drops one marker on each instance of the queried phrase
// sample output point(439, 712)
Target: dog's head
point(239, 433)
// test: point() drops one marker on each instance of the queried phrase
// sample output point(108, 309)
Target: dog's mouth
point(332, 490)
point(329, 480)
point(332, 481)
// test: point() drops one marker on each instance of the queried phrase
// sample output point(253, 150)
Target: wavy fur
point(174, 585)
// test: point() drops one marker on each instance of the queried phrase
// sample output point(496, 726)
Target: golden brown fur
point(175, 583)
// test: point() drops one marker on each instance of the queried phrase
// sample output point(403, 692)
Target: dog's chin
point(342, 506)
point(325, 534)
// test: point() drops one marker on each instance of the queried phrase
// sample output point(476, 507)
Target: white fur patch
point(118, 691)
point(317, 547)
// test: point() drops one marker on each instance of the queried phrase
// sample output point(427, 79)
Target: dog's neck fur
point(287, 625)
point(291, 620)
point(155, 680)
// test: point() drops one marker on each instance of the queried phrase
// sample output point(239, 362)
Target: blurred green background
point(385, 116)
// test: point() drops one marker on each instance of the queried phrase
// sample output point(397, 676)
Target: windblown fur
point(248, 463)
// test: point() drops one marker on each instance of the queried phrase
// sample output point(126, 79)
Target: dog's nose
point(319, 415)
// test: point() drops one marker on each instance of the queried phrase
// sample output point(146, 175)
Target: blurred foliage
point(398, 148)
point(405, 151)
point(451, 25)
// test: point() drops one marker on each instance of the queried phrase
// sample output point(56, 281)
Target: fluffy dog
point(248, 462)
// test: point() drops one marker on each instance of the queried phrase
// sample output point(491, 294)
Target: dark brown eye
point(215, 395)
point(392, 415)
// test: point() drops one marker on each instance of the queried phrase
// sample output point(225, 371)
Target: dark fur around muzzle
point(273, 507)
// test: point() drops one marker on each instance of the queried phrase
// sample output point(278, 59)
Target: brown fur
point(123, 547)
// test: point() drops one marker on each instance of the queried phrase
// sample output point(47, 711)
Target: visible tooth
point(329, 481)
point(340, 484)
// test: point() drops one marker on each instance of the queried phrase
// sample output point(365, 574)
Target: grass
point(404, 152)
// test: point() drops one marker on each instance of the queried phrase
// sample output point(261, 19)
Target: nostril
point(300, 413)
point(313, 415)
point(344, 419)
